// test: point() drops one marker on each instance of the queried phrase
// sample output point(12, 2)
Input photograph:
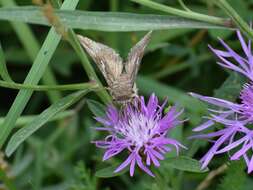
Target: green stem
point(235, 17)
point(65, 87)
point(114, 5)
point(182, 13)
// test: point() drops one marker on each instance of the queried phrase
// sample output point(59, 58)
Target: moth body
point(120, 76)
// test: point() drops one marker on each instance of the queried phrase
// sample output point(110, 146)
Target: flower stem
point(79, 86)
point(182, 13)
point(235, 17)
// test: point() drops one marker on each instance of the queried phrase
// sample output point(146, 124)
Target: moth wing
point(135, 55)
point(107, 60)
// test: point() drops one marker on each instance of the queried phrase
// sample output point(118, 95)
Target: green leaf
point(96, 108)
point(3, 69)
point(36, 72)
point(185, 164)
point(109, 172)
point(21, 135)
point(103, 21)
point(235, 177)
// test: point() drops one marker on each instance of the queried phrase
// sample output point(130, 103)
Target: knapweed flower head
point(237, 118)
point(141, 131)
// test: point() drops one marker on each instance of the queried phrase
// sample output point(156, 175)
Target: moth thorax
point(122, 89)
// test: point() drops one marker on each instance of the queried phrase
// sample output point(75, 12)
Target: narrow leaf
point(3, 69)
point(27, 119)
point(21, 135)
point(103, 21)
point(185, 164)
point(96, 108)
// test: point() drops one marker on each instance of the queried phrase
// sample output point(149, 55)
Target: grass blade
point(3, 69)
point(27, 119)
point(33, 77)
point(103, 21)
point(61, 105)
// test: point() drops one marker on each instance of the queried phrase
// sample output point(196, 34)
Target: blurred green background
point(60, 156)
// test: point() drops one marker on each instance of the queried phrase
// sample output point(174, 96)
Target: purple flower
point(141, 131)
point(236, 117)
point(244, 64)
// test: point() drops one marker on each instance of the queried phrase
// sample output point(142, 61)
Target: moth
point(120, 75)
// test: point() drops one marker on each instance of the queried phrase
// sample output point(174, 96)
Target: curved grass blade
point(21, 135)
point(3, 69)
point(103, 21)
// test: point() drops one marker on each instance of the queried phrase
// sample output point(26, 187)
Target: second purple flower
point(236, 118)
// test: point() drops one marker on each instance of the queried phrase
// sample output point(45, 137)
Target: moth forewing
point(107, 60)
point(135, 56)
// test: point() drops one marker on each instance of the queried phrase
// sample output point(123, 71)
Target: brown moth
point(120, 76)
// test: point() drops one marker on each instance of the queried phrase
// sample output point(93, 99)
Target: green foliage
point(231, 88)
point(174, 95)
point(40, 64)
point(235, 177)
point(84, 180)
point(108, 172)
point(41, 119)
point(184, 164)
point(96, 108)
